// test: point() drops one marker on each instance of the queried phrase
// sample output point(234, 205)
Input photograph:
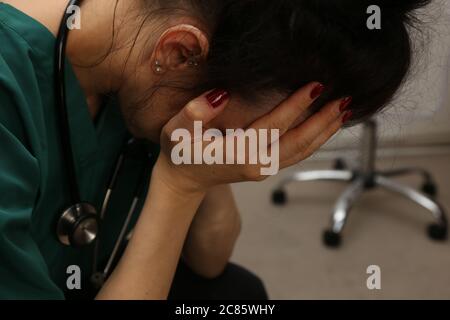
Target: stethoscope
point(78, 225)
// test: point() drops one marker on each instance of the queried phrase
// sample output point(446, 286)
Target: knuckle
point(191, 112)
point(167, 131)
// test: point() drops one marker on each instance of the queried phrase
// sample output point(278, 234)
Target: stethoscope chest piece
point(78, 225)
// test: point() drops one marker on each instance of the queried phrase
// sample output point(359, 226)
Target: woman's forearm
point(147, 268)
point(213, 233)
point(148, 265)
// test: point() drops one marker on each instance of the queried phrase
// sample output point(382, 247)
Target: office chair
point(365, 178)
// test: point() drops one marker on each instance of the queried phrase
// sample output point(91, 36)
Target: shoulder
point(18, 96)
point(25, 77)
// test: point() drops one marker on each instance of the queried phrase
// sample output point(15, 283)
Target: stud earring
point(193, 63)
point(158, 66)
point(192, 60)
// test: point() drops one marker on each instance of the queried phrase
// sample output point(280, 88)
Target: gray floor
point(283, 245)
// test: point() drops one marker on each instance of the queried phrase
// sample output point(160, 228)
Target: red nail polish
point(347, 116)
point(345, 103)
point(317, 91)
point(217, 97)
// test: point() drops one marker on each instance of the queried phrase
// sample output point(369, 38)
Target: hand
point(294, 145)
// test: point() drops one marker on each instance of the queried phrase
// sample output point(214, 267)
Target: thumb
point(204, 108)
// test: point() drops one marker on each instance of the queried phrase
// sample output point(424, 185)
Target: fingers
point(298, 142)
point(325, 137)
point(204, 108)
point(284, 116)
point(317, 143)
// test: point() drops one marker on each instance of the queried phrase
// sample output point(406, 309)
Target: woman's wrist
point(157, 241)
point(177, 182)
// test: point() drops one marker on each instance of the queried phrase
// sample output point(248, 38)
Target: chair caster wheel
point(430, 189)
point(279, 197)
point(332, 239)
point(340, 165)
point(437, 232)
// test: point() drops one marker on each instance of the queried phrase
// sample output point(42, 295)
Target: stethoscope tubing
point(101, 275)
point(62, 111)
point(78, 213)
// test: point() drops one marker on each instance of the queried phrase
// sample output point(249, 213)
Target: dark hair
point(281, 45)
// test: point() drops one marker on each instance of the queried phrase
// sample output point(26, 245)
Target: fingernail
point(217, 97)
point(347, 116)
point(345, 103)
point(317, 91)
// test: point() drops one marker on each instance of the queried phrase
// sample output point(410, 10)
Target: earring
point(158, 66)
point(193, 63)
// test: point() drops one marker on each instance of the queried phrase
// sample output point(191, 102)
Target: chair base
point(358, 184)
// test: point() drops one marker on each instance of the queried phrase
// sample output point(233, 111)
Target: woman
point(304, 67)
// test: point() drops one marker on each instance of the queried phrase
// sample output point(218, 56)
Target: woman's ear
point(180, 47)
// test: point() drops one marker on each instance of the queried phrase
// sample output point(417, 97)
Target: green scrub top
point(33, 184)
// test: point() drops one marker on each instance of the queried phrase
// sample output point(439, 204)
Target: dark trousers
point(236, 283)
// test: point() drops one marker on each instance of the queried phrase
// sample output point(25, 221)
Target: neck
point(89, 50)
